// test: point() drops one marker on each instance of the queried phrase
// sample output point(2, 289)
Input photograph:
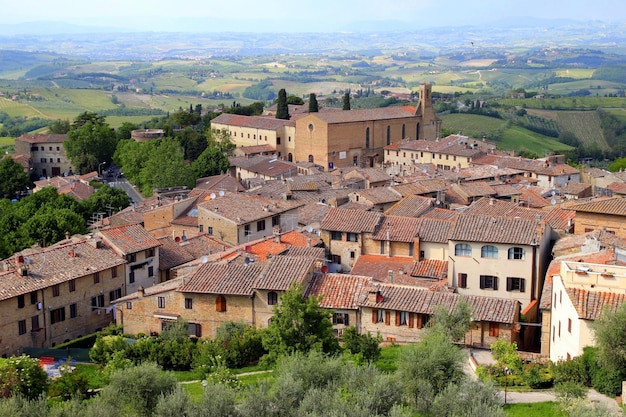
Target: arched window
point(462, 249)
point(517, 253)
point(388, 135)
point(489, 251)
point(272, 298)
point(220, 303)
point(367, 138)
point(311, 158)
point(417, 131)
point(290, 157)
point(403, 130)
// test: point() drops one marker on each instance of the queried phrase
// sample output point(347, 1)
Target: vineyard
point(546, 127)
point(585, 125)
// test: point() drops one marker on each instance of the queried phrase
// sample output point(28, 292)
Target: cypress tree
point(282, 109)
point(313, 106)
point(346, 100)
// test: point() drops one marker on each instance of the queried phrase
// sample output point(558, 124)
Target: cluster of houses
point(381, 227)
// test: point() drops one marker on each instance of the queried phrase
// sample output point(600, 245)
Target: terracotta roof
point(203, 245)
point(338, 291)
point(243, 208)
point(223, 278)
point(590, 304)
point(305, 252)
point(423, 301)
point(495, 229)
point(469, 190)
point(505, 190)
point(412, 206)
point(435, 230)
point(353, 205)
point(530, 165)
point(40, 138)
point(617, 187)
point(378, 195)
point(358, 115)
point(430, 268)
point(397, 229)
point(171, 254)
point(615, 206)
point(295, 238)
point(130, 238)
point(424, 186)
point(219, 182)
point(560, 219)
point(354, 221)
point(155, 289)
point(77, 190)
point(378, 266)
point(283, 271)
point(265, 165)
point(259, 122)
point(441, 214)
point(499, 208)
point(50, 266)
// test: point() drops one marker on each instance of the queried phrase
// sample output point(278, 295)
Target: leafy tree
point(124, 131)
point(610, 335)
point(105, 347)
point(617, 165)
point(165, 167)
point(299, 324)
point(506, 355)
point(59, 127)
point(456, 323)
point(364, 344)
point(211, 161)
point(90, 141)
point(182, 118)
point(13, 179)
point(313, 105)
point(346, 100)
point(291, 99)
point(104, 200)
point(22, 375)
point(192, 142)
point(282, 108)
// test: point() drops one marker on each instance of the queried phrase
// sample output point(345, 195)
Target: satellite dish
point(553, 192)
point(553, 201)
point(437, 202)
point(222, 193)
point(309, 229)
point(204, 259)
point(212, 196)
point(323, 201)
point(184, 238)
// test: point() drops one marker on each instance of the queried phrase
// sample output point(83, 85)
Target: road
point(128, 188)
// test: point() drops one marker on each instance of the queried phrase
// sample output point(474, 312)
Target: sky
point(326, 15)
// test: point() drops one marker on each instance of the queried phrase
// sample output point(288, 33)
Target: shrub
point(364, 344)
point(22, 375)
point(70, 384)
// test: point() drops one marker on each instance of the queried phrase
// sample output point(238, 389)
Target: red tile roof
point(378, 266)
point(615, 206)
point(129, 238)
point(430, 268)
point(397, 229)
point(590, 304)
point(40, 138)
point(496, 230)
point(283, 271)
point(171, 254)
point(223, 278)
point(358, 115)
point(354, 221)
point(338, 291)
point(259, 122)
point(412, 206)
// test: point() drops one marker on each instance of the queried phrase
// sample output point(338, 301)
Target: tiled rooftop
point(129, 238)
point(259, 122)
point(412, 206)
point(615, 206)
point(338, 291)
point(171, 254)
point(283, 271)
point(354, 221)
point(514, 231)
point(378, 266)
point(358, 115)
point(223, 278)
point(590, 304)
point(397, 229)
point(243, 208)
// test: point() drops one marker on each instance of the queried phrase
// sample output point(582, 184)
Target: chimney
point(67, 235)
point(72, 253)
point(276, 233)
point(140, 292)
point(390, 276)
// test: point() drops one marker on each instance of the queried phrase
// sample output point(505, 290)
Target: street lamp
point(506, 380)
point(99, 168)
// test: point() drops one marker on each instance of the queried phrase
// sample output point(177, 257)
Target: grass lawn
point(548, 408)
point(518, 138)
point(388, 361)
point(93, 373)
point(471, 124)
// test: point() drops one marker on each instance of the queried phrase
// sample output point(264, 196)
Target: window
point(411, 248)
point(422, 254)
point(517, 253)
point(367, 139)
point(20, 301)
point(275, 221)
point(220, 303)
point(115, 294)
point(96, 277)
point(277, 140)
point(59, 160)
point(195, 329)
point(352, 237)
point(58, 148)
point(489, 251)
point(260, 225)
point(131, 257)
point(188, 303)
point(114, 272)
point(210, 230)
point(246, 230)
point(150, 271)
point(34, 323)
point(33, 297)
point(488, 282)
point(569, 325)
point(272, 298)
point(352, 254)
point(403, 130)
point(515, 284)
point(378, 316)
point(129, 305)
point(72, 285)
point(382, 247)
point(161, 302)
point(149, 253)
point(402, 318)
point(494, 330)
point(559, 328)
point(73, 311)
point(57, 315)
point(462, 249)
point(341, 318)
point(55, 290)
point(422, 320)
point(49, 148)
point(336, 259)
point(131, 277)
point(97, 301)
point(21, 327)
point(462, 283)
point(336, 236)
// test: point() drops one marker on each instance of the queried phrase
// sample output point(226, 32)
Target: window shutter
point(522, 285)
point(346, 319)
point(387, 317)
point(397, 318)
point(495, 283)
point(420, 322)
point(482, 282)
point(411, 320)
point(509, 283)
point(198, 330)
point(374, 315)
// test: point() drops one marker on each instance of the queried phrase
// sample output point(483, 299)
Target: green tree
point(364, 344)
point(192, 142)
point(105, 200)
point(610, 335)
point(22, 375)
point(470, 399)
point(291, 99)
point(59, 127)
point(299, 324)
point(211, 161)
point(13, 179)
point(282, 108)
point(124, 131)
point(166, 167)
point(456, 323)
point(313, 105)
point(346, 100)
point(90, 141)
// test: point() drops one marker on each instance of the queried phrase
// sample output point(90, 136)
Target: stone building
point(46, 154)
